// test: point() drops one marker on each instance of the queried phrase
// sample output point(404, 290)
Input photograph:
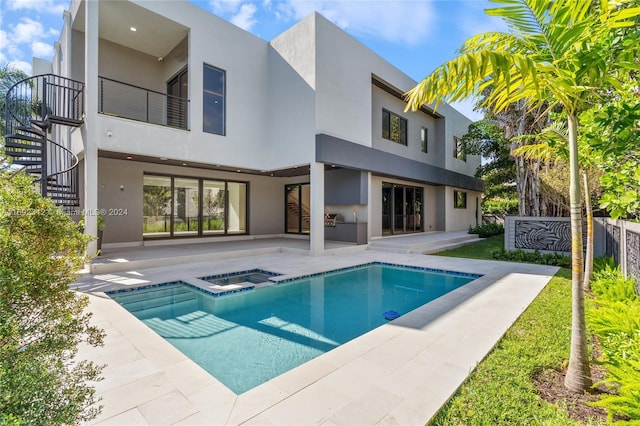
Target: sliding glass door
point(298, 208)
point(184, 207)
point(401, 209)
point(157, 206)
point(186, 219)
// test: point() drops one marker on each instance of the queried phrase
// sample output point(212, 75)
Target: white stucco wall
point(415, 121)
point(266, 197)
point(459, 219)
point(456, 124)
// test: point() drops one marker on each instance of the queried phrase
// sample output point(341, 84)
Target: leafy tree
point(498, 170)
point(42, 321)
point(516, 120)
point(558, 52)
point(612, 130)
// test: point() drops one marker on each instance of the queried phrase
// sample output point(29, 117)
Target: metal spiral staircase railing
point(33, 109)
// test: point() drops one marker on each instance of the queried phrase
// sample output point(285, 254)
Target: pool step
point(142, 293)
point(145, 300)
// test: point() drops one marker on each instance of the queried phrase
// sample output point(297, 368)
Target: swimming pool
point(246, 338)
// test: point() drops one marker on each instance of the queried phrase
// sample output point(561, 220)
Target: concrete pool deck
point(397, 374)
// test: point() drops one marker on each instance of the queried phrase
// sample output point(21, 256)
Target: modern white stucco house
point(194, 128)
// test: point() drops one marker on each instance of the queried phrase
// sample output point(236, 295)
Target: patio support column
point(90, 132)
point(370, 204)
point(316, 173)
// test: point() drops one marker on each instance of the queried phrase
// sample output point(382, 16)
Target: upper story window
point(394, 127)
point(424, 139)
point(459, 150)
point(213, 101)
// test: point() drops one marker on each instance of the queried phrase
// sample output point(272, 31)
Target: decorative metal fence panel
point(545, 234)
point(633, 257)
point(619, 239)
point(612, 242)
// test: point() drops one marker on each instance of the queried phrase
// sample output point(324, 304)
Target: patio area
point(170, 252)
point(399, 373)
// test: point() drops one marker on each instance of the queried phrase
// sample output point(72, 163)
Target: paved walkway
point(399, 373)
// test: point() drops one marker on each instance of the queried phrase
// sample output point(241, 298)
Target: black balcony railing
point(137, 103)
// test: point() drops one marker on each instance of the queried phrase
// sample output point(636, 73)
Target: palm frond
point(538, 151)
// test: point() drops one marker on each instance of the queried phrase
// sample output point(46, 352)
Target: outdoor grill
point(330, 219)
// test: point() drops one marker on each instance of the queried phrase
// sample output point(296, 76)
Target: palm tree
point(552, 147)
point(559, 52)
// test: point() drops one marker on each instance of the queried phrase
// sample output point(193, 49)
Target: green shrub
point(625, 380)
point(614, 317)
point(553, 259)
point(42, 321)
point(609, 284)
point(487, 230)
point(500, 207)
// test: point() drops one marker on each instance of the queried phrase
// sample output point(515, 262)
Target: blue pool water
point(247, 338)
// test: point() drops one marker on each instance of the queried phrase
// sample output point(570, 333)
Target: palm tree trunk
point(578, 377)
point(535, 190)
point(588, 261)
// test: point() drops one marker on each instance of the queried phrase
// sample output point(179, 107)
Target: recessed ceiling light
point(184, 164)
point(129, 157)
point(238, 170)
point(134, 29)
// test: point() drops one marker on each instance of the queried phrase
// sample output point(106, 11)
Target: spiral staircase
point(37, 109)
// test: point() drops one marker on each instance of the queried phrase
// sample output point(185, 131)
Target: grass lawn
point(500, 391)
point(480, 250)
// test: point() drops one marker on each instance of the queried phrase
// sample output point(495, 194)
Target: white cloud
point(245, 17)
point(238, 12)
point(26, 31)
point(223, 7)
point(391, 20)
point(25, 38)
point(55, 7)
point(22, 66)
point(41, 50)
point(3, 38)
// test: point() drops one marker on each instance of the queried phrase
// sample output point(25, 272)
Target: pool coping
point(398, 373)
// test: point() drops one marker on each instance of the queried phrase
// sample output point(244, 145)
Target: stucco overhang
point(342, 153)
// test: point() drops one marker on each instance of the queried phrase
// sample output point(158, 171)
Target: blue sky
point(414, 35)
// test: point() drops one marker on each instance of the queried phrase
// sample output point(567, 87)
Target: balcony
point(125, 100)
